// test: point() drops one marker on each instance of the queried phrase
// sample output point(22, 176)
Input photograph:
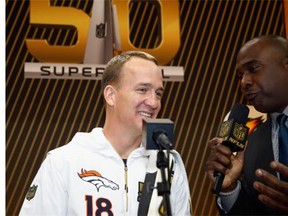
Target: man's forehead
point(259, 50)
point(255, 50)
point(261, 44)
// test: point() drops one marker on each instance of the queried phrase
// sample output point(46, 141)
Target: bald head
point(273, 41)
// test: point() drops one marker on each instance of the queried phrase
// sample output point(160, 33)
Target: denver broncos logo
point(97, 179)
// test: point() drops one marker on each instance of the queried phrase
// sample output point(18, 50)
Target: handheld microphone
point(157, 134)
point(234, 134)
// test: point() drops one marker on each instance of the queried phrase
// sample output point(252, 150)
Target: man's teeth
point(145, 114)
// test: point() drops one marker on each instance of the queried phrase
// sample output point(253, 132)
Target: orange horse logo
point(97, 179)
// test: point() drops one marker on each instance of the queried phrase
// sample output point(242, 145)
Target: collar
point(276, 114)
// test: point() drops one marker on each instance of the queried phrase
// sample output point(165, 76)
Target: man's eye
point(252, 68)
point(143, 90)
point(159, 94)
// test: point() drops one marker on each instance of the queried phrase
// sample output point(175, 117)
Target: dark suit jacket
point(259, 154)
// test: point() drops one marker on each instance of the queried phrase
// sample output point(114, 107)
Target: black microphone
point(157, 134)
point(234, 134)
point(160, 137)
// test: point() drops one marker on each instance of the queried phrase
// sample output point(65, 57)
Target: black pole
point(164, 186)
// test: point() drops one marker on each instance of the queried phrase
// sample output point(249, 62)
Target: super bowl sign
point(99, 37)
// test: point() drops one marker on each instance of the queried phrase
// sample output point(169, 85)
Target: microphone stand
point(164, 187)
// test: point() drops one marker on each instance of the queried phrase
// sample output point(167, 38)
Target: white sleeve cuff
point(226, 200)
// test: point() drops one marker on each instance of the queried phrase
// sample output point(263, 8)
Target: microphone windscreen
point(239, 113)
point(151, 127)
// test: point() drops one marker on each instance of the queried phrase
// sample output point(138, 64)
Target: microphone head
point(157, 133)
point(155, 128)
point(239, 113)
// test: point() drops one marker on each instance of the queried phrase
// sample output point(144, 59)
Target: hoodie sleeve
point(46, 195)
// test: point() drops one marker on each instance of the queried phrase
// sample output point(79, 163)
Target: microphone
point(157, 134)
point(161, 139)
point(234, 134)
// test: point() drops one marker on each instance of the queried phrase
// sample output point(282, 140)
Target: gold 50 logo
point(99, 37)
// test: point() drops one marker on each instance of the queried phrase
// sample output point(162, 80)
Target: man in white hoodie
point(102, 172)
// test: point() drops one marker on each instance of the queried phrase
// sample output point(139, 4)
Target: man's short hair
point(113, 69)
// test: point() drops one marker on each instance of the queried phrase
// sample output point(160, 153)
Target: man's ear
point(109, 95)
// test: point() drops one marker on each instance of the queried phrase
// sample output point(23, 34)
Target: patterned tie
point(283, 139)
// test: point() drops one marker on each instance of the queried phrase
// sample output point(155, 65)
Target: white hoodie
point(88, 177)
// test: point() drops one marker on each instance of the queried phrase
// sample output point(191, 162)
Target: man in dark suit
point(255, 180)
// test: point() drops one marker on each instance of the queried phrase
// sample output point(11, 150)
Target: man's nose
point(246, 81)
point(153, 101)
